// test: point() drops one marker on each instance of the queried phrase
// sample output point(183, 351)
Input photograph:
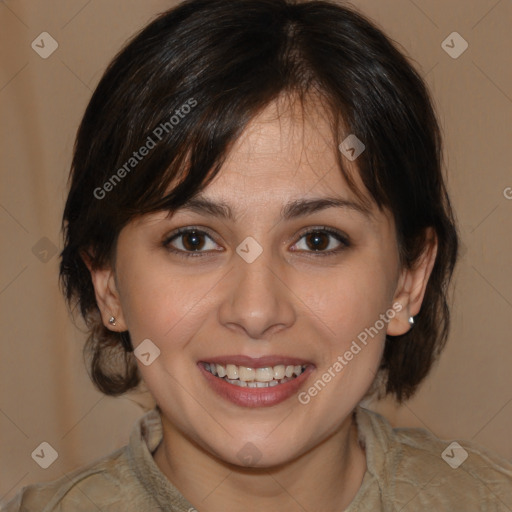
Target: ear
point(411, 287)
point(107, 295)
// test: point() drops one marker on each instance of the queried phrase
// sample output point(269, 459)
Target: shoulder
point(97, 486)
point(426, 471)
point(122, 481)
point(452, 472)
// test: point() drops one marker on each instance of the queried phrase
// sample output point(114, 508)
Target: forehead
point(286, 152)
point(286, 135)
point(284, 166)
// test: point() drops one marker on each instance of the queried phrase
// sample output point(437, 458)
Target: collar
point(374, 431)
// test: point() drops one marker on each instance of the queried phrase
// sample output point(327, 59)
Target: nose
point(256, 298)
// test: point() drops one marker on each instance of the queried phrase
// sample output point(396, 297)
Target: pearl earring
point(411, 320)
point(112, 321)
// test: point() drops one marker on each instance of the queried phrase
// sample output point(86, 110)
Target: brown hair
point(221, 63)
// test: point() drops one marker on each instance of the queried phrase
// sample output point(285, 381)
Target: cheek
point(348, 300)
point(156, 302)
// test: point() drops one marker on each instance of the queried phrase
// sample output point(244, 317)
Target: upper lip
point(256, 362)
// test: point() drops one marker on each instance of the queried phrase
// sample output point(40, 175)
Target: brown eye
point(193, 240)
point(323, 242)
point(317, 241)
point(190, 242)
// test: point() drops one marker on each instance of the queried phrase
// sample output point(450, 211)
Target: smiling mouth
point(243, 376)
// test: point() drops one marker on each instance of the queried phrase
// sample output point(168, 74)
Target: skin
point(290, 301)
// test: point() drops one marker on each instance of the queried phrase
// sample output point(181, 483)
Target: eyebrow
point(293, 209)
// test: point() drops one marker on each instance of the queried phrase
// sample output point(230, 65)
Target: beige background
point(45, 393)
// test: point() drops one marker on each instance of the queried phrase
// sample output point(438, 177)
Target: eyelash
point(340, 237)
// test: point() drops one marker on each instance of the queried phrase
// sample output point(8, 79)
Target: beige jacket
point(407, 470)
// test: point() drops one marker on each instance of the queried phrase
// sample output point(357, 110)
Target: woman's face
point(254, 290)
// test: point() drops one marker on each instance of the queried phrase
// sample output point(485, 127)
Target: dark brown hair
point(185, 88)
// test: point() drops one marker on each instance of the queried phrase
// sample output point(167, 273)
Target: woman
point(257, 226)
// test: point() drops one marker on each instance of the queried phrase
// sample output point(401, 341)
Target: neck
point(325, 478)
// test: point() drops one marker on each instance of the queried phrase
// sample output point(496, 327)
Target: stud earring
point(112, 321)
point(411, 320)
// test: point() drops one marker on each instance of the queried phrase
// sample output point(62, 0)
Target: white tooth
point(245, 373)
point(261, 384)
point(273, 383)
point(232, 371)
point(253, 384)
point(242, 383)
point(279, 371)
point(264, 374)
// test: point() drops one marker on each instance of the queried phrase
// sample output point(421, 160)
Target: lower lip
point(255, 397)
